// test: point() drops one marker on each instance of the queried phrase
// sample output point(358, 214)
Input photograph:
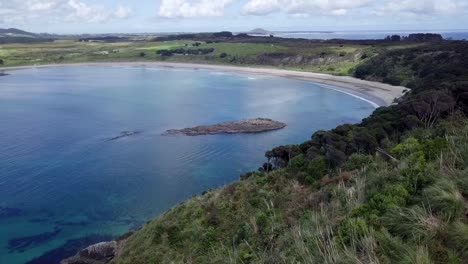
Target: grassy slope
point(371, 211)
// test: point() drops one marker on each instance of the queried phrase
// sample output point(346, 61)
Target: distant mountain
point(14, 32)
point(259, 31)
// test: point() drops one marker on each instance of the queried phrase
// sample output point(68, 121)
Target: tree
point(393, 38)
point(425, 37)
point(430, 106)
point(223, 34)
point(164, 53)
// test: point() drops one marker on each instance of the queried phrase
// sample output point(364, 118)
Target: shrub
point(357, 161)
point(142, 54)
point(416, 224)
point(404, 149)
point(418, 255)
point(392, 196)
point(164, 53)
point(297, 162)
point(458, 238)
point(262, 221)
point(433, 147)
point(370, 214)
point(417, 174)
point(209, 237)
point(223, 55)
point(445, 199)
point(317, 168)
point(1, 62)
point(352, 229)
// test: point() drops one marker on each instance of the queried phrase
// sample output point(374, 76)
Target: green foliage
point(419, 255)
point(432, 148)
point(357, 161)
point(316, 169)
point(414, 224)
point(445, 198)
point(377, 216)
point(409, 146)
point(298, 162)
point(417, 173)
point(458, 238)
point(352, 229)
point(391, 197)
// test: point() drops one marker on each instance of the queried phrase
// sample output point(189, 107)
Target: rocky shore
point(256, 125)
point(100, 253)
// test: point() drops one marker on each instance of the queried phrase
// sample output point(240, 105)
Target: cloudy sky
point(97, 16)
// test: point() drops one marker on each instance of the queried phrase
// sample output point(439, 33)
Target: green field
point(317, 57)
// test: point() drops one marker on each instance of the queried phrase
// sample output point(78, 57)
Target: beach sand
point(377, 94)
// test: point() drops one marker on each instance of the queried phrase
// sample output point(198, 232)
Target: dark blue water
point(356, 35)
point(62, 179)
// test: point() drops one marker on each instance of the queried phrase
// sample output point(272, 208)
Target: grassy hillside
point(392, 189)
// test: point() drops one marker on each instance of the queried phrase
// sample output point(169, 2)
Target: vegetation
point(392, 189)
point(331, 57)
point(407, 210)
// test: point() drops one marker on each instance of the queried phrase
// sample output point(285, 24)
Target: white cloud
point(123, 12)
point(303, 7)
point(339, 12)
point(423, 7)
point(184, 8)
point(26, 11)
point(262, 7)
point(38, 5)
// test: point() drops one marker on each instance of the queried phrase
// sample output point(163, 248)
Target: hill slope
point(13, 32)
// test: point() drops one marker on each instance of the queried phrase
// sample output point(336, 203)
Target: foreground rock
point(100, 253)
point(256, 125)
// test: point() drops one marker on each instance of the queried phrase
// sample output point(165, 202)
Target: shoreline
point(376, 93)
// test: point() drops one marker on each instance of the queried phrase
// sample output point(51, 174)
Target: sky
point(139, 16)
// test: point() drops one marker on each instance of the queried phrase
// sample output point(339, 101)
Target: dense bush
point(182, 51)
point(438, 76)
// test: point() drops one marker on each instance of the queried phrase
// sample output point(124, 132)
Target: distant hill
point(14, 35)
point(259, 31)
point(14, 32)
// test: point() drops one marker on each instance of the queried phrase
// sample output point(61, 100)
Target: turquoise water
point(63, 183)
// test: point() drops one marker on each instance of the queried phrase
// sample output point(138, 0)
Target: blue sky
point(98, 16)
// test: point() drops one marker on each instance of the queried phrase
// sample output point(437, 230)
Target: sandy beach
point(375, 93)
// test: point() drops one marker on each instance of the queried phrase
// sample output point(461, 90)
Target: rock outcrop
point(100, 253)
point(256, 125)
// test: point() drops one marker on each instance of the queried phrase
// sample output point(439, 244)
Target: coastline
point(375, 93)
